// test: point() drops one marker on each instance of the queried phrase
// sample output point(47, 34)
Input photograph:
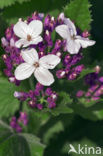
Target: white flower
point(28, 33)
point(37, 66)
point(73, 41)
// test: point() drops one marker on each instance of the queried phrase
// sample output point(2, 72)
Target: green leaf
point(22, 144)
point(8, 103)
point(21, 1)
point(63, 103)
point(6, 3)
point(78, 11)
point(84, 73)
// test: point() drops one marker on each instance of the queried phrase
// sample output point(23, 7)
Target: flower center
point(29, 37)
point(36, 64)
point(73, 37)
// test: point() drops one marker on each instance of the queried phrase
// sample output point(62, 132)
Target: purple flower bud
point(18, 94)
point(78, 69)
point(39, 86)
point(88, 94)
point(67, 59)
point(13, 124)
point(41, 15)
point(72, 76)
point(23, 118)
point(95, 98)
point(12, 79)
point(97, 69)
point(54, 96)
point(47, 37)
point(101, 79)
point(49, 99)
point(60, 19)
point(58, 44)
point(18, 129)
point(41, 54)
point(76, 58)
point(48, 91)
point(60, 73)
point(36, 92)
point(40, 106)
point(52, 105)
point(47, 21)
point(4, 42)
point(32, 104)
point(9, 33)
point(91, 79)
point(85, 34)
point(8, 72)
point(80, 93)
point(93, 88)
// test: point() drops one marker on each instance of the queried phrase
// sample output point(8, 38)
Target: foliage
point(73, 121)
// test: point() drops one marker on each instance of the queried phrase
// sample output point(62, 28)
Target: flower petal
point(35, 28)
point(36, 40)
point(24, 71)
point(21, 29)
point(71, 26)
point(21, 42)
point(43, 76)
point(62, 30)
point(30, 56)
point(49, 61)
point(73, 46)
point(85, 42)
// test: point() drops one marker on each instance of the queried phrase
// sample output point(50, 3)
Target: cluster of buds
point(18, 123)
point(71, 71)
point(38, 98)
point(95, 82)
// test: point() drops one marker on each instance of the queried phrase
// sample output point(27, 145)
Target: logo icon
point(85, 150)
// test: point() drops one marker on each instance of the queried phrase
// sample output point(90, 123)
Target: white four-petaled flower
point(37, 66)
point(73, 41)
point(28, 33)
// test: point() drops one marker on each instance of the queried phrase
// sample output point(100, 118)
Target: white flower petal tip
point(44, 76)
point(28, 33)
point(73, 42)
point(37, 66)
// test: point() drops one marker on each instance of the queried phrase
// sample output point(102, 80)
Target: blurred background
point(63, 130)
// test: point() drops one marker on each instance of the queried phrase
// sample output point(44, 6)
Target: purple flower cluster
point(95, 82)
point(13, 58)
point(70, 70)
point(17, 123)
point(38, 98)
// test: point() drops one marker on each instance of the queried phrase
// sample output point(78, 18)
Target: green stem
point(31, 82)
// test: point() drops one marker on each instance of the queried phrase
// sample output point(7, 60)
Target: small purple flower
point(67, 59)
point(23, 118)
point(40, 106)
point(32, 104)
point(101, 79)
point(48, 39)
point(80, 93)
point(85, 34)
point(60, 73)
point(95, 98)
point(52, 104)
point(54, 96)
point(91, 79)
point(72, 76)
point(39, 86)
point(48, 91)
point(18, 128)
